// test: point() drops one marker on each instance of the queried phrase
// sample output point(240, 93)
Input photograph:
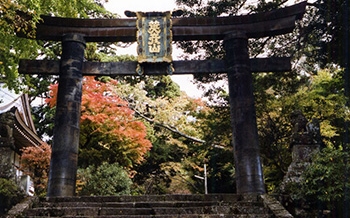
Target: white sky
point(119, 6)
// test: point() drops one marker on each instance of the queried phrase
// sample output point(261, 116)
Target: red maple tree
point(35, 162)
point(109, 130)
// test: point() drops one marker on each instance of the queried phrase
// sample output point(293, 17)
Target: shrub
point(10, 194)
point(107, 179)
point(326, 178)
point(325, 183)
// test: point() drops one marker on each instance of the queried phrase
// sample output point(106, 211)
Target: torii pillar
point(249, 175)
point(64, 157)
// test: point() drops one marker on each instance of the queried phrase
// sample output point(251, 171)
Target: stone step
point(171, 216)
point(134, 204)
point(98, 211)
point(167, 206)
point(87, 211)
point(139, 204)
point(145, 198)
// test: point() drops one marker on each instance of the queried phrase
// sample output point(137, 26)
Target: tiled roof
point(24, 130)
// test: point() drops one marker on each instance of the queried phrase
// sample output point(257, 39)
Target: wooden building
point(16, 132)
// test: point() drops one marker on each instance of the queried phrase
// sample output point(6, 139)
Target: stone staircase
point(208, 206)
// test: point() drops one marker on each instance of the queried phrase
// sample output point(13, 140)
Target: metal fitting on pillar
point(236, 48)
point(74, 37)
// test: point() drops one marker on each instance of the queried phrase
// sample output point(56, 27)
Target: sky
point(119, 6)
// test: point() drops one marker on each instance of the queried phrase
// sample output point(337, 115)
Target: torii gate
point(235, 31)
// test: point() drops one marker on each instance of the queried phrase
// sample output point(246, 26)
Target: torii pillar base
point(249, 175)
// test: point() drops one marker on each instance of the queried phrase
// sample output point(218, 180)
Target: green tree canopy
point(19, 18)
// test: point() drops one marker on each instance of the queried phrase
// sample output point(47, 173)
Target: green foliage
point(216, 152)
point(320, 96)
point(221, 171)
point(63, 8)
point(18, 19)
point(325, 35)
point(162, 86)
point(323, 98)
point(151, 176)
point(43, 116)
point(172, 121)
point(326, 181)
point(10, 194)
point(106, 179)
point(210, 8)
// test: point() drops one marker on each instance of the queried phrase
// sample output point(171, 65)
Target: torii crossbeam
point(235, 31)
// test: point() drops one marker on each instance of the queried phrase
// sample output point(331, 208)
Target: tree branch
point(175, 130)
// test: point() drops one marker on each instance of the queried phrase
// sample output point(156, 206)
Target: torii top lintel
point(276, 22)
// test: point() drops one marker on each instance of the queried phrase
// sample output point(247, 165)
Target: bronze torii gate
point(235, 31)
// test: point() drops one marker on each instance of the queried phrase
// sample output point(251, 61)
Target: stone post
point(306, 142)
point(249, 175)
point(64, 158)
